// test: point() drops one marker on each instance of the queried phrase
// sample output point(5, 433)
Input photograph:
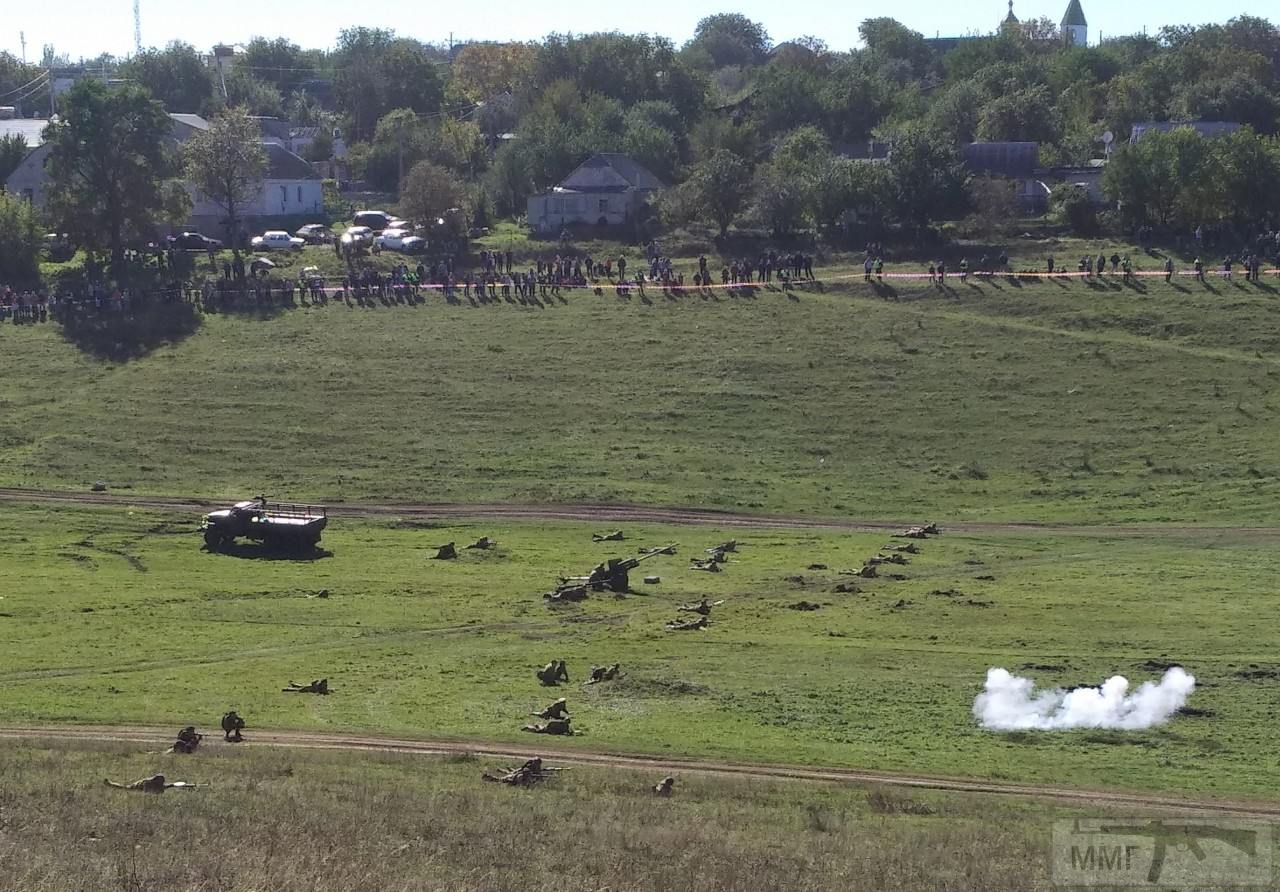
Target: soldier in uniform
point(557, 710)
point(663, 789)
point(552, 726)
point(319, 686)
point(153, 784)
point(232, 725)
point(187, 740)
point(553, 673)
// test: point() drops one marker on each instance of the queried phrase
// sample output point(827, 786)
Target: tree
point(19, 241)
point(782, 201)
point(13, 151)
point(1162, 178)
point(718, 188)
point(888, 40)
point(483, 70)
point(1018, 116)
point(994, 202)
point(847, 185)
point(727, 38)
point(281, 64)
point(225, 163)
point(377, 72)
point(926, 178)
point(428, 191)
point(109, 164)
point(1071, 203)
point(257, 97)
point(176, 75)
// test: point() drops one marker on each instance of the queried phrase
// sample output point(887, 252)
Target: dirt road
point(584, 755)
point(622, 513)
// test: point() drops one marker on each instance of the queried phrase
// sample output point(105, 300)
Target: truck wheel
point(211, 541)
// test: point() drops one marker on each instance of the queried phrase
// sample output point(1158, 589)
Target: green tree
point(257, 97)
point(1071, 204)
point(727, 38)
point(846, 185)
point(1163, 178)
point(1018, 116)
point(718, 188)
point(1246, 178)
point(177, 76)
point(20, 241)
point(281, 64)
point(13, 151)
point(926, 178)
point(782, 201)
point(225, 164)
point(888, 40)
point(378, 71)
point(109, 164)
point(428, 191)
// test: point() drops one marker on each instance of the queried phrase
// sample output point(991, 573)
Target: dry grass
point(285, 821)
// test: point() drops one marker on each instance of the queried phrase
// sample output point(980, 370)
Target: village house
point(605, 190)
point(290, 187)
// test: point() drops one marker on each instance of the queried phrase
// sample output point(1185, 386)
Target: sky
point(86, 28)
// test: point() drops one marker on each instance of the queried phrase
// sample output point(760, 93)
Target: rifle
point(1184, 836)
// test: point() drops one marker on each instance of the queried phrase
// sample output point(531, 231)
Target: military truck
point(275, 524)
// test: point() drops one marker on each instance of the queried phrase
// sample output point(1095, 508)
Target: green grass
point(1041, 401)
point(295, 821)
point(114, 616)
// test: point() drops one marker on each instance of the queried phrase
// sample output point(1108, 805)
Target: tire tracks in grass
point(375, 639)
point(627, 513)
point(589, 756)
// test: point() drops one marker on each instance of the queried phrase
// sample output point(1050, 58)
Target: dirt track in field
point(156, 738)
point(612, 514)
point(622, 513)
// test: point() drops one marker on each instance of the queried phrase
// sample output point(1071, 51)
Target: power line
point(38, 88)
point(41, 75)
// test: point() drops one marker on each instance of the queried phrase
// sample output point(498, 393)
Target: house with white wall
point(290, 187)
point(607, 189)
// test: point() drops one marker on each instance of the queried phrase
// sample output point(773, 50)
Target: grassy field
point(111, 616)
point(1044, 401)
point(290, 821)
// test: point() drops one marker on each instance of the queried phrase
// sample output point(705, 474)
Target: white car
point(400, 240)
point(277, 240)
point(357, 236)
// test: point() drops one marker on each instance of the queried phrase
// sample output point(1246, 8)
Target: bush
point(20, 241)
point(1071, 204)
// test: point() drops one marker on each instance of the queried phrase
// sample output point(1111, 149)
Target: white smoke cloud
point(1010, 703)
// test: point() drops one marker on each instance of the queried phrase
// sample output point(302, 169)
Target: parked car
point(358, 237)
point(194, 241)
point(401, 240)
point(58, 247)
point(276, 240)
point(315, 234)
point(375, 220)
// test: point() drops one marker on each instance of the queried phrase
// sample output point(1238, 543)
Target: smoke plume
point(1010, 703)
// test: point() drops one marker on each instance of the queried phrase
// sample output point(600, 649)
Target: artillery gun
point(274, 524)
point(613, 575)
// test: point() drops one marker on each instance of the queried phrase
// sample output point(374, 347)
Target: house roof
point(1006, 159)
point(30, 129)
point(284, 165)
point(1074, 16)
point(1011, 19)
point(272, 128)
point(610, 169)
point(1208, 129)
point(195, 121)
